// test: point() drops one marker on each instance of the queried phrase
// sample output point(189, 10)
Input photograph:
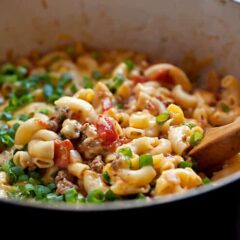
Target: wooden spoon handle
point(218, 145)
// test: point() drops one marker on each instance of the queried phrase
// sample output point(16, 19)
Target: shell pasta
point(78, 125)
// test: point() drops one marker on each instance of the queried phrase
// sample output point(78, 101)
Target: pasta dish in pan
point(83, 126)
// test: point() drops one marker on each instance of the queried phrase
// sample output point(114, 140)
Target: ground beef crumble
point(63, 182)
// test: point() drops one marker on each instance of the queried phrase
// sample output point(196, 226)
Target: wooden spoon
point(218, 145)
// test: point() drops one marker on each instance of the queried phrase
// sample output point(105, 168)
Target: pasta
point(87, 126)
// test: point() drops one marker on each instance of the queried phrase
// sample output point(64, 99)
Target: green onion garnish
point(21, 71)
point(190, 125)
point(44, 111)
point(97, 75)
point(28, 189)
point(206, 180)
point(5, 116)
point(106, 177)
point(41, 191)
point(23, 117)
point(185, 164)
point(34, 175)
point(162, 118)
point(126, 152)
point(53, 197)
point(10, 78)
point(7, 68)
point(87, 82)
point(51, 186)
point(145, 160)
point(225, 108)
point(23, 178)
point(73, 88)
point(196, 137)
point(70, 195)
point(111, 196)
point(116, 83)
point(120, 105)
point(130, 64)
point(140, 196)
point(33, 181)
point(95, 196)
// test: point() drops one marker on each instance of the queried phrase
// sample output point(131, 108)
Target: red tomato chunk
point(62, 152)
point(106, 131)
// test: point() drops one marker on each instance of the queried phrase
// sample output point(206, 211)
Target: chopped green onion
point(15, 102)
point(116, 83)
point(145, 160)
point(12, 171)
point(225, 108)
point(120, 105)
point(111, 196)
point(23, 117)
point(23, 178)
point(97, 75)
point(51, 186)
point(44, 111)
point(70, 195)
point(82, 200)
point(10, 78)
point(106, 177)
point(73, 88)
point(64, 80)
point(41, 191)
point(95, 196)
point(25, 99)
point(140, 196)
point(28, 189)
point(126, 152)
point(34, 175)
point(185, 164)
point(87, 83)
point(7, 69)
point(17, 171)
point(190, 125)
point(7, 135)
point(206, 180)
point(130, 64)
point(33, 181)
point(53, 197)
point(48, 91)
point(5, 116)
point(196, 137)
point(7, 140)
point(162, 118)
point(21, 71)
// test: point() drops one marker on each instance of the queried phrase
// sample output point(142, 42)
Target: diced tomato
point(162, 76)
point(62, 152)
point(106, 131)
point(106, 103)
point(139, 79)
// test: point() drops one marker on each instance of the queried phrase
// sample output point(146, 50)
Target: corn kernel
point(176, 114)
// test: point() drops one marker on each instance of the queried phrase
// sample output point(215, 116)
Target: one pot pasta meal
point(78, 125)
